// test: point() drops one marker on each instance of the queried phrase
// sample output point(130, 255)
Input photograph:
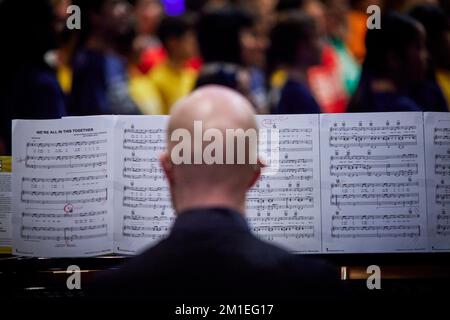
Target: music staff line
point(373, 141)
point(144, 235)
point(377, 235)
point(147, 205)
point(275, 206)
point(442, 199)
point(287, 178)
point(138, 159)
point(66, 144)
point(374, 169)
point(286, 235)
point(441, 169)
point(377, 199)
point(64, 238)
point(443, 157)
point(368, 217)
point(291, 161)
point(144, 176)
point(145, 131)
point(281, 199)
point(145, 189)
point(375, 228)
point(280, 219)
point(286, 150)
point(295, 130)
point(375, 157)
point(141, 228)
point(64, 215)
point(282, 190)
point(372, 128)
point(135, 217)
point(374, 185)
point(143, 141)
point(57, 180)
point(441, 136)
point(146, 170)
point(144, 147)
point(67, 165)
point(64, 193)
point(73, 201)
point(72, 157)
point(66, 229)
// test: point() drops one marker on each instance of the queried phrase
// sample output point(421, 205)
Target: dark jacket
point(212, 255)
point(296, 98)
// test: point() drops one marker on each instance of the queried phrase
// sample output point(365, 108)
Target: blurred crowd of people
point(286, 56)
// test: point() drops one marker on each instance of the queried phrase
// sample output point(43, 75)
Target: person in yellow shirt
point(173, 79)
point(443, 79)
point(143, 92)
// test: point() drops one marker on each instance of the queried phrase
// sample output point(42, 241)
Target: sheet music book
point(62, 187)
point(141, 197)
point(437, 157)
point(284, 205)
point(5, 205)
point(373, 183)
point(336, 183)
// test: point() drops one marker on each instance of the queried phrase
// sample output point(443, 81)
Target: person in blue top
point(396, 60)
point(295, 46)
point(100, 74)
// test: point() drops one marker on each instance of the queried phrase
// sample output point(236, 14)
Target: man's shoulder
point(244, 246)
point(218, 255)
point(255, 269)
point(245, 254)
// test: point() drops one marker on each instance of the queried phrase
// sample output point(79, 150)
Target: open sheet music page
point(373, 183)
point(143, 210)
point(437, 150)
point(284, 206)
point(62, 187)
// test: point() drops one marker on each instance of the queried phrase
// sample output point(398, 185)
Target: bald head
point(216, 106)
point(221, 117)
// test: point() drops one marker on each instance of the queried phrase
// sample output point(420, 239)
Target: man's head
point(223, 115)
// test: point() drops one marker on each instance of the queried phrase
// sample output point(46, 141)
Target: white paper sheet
point(62, 187)
point(87, 186)
point(5, 209)
point(437, 150)
point(143, 210)
point(373, 183)
point(284, 206)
